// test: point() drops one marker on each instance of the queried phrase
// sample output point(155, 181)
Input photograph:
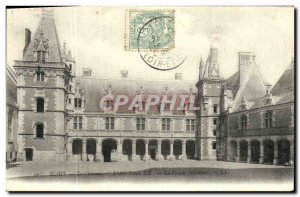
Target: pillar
point(159, 156)
point(292, 152)
point(238, 151)
point(99, 156)
point(275, 160)
point(119, 150)
point(261, 158)
point(84, 156)
point(134, 156)
point(183, 147)
point(171, 157)
point(249, 152)
point(146, 157)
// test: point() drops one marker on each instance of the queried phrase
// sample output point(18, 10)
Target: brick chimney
point(27, 40)
point(245, 65)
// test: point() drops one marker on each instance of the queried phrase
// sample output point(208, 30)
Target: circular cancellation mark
point(152, 44)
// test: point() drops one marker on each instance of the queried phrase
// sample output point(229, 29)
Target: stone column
point(171, 157)
point(249, 152)
point(99, 156)
point(119, 151)
point(275, 160)
point(146, 157)
point(159, 156)
point(238, 152)
point(183, 147)
point(134, 155)
point(261, 158)
point(84, 156)
point(292, 152)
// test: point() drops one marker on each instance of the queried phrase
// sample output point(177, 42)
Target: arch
point(232, 150)
point(108, 145)
point(127, 147)
point(40, 104)
point(152, 148)
point(91, 147)
point(140, 147)
point(165, 148)
point(243, 151)
point(268, 151)
point(28, 154)
point(283, 151)
point(177, 148)
point(77, 146)
point(255, 151)
point(190, 149)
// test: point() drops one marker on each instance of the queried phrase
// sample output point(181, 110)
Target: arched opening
point(233, 151)
point(77, 147)
point(108, 145)
point(243, 151)
point(127, 148)
point(165, 148)
point(177, 148)
point(91, 146)
point(283, 151)
point(40, 104)
point(152, 149)
point(190, 149)
point(268, 151)
point(140, 148)
point(28, 154)
point(255, 151)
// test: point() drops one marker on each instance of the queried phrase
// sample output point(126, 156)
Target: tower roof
point(45, 35)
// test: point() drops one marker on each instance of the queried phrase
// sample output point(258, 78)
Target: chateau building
point(59, 117)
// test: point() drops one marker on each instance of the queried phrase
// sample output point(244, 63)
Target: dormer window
point(77, 102)
point(109, 104)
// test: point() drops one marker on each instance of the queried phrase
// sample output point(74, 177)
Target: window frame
point(109, 123)
point(190, 124)
point(40, 101)
point(39, 131)
point(40, 76)
point(243, 122)
point(268, 119)
point(140, 124)
point(215, 108)
point(77, 123)
point(77, 102)
point(166, 124)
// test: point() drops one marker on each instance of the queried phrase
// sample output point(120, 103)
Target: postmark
point(150, 30)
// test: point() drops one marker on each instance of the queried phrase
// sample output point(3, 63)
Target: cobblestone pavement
point(46, 169)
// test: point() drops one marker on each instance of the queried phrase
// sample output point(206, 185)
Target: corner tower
point(209, 92)
point(43, 78)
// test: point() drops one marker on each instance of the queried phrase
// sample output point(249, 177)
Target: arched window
point(40, 105)
point(39, 130)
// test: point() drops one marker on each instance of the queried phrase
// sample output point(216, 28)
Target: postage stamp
point(150, 30)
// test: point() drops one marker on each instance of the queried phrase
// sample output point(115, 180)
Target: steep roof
point(95, 89)
point(285, 83)
point(45, 35)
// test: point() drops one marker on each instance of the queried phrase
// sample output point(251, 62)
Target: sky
point(96, 37)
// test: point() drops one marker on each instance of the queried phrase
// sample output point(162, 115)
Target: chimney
point(86, 72)
point(178, 76)
point(27, 40)
point(124, 73)
point(245, 65)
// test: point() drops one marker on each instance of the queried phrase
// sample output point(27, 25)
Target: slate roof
point(95, 89)
point(47, 28)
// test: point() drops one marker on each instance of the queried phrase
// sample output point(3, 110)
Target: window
point(39, 131)
point(40, 75)
point(166, 124)
point(214, 145)
point(77, 122)
point(215, 108)
point(70, 101)
point(41, 56)
point(77, 102)
point(190, 124)
point(268, 119)
point(109, 104)
point(243, 122)
point(70, 88)
point(140, 124)
point(214, 132)
point(40, 105)
point(109, 123)
point(215, 121)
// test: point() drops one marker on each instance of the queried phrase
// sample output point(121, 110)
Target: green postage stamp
point(152, 30)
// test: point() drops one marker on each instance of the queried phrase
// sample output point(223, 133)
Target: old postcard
point(150, 99)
